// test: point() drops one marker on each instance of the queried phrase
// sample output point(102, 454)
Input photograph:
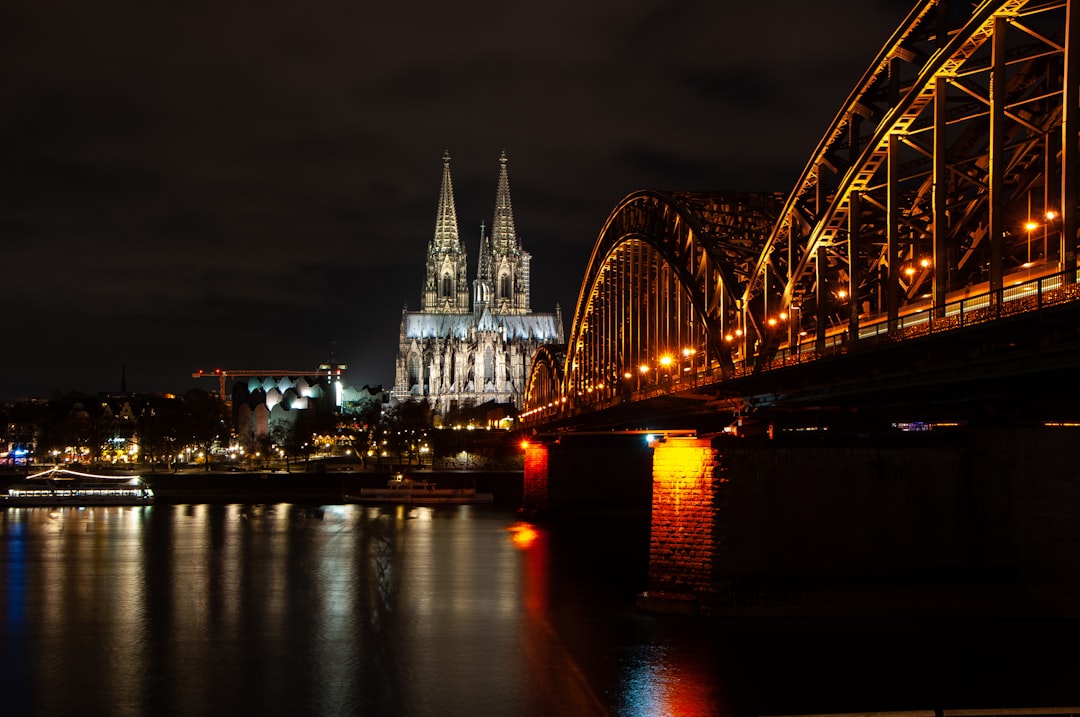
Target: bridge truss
point(950, 172)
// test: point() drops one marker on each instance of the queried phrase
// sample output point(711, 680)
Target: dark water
point(291, 610)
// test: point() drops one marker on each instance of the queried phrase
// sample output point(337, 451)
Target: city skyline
point(218, 189)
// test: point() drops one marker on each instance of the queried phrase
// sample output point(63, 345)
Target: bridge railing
point(1022, 296)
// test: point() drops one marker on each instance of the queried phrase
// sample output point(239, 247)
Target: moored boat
point(60, 486)
point(413, 491)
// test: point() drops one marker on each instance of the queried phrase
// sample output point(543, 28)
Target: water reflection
point(283, 609)
point(301, 610)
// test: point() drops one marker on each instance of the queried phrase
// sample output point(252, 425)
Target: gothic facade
point(458, 352)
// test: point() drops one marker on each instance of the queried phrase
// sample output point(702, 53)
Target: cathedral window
point(505, 289)
point(447, 285)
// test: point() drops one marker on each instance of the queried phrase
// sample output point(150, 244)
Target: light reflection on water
point(339, 610)
point(225, 609)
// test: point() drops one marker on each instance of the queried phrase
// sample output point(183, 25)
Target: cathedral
point(457, 353)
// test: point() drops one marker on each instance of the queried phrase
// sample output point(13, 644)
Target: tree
point(206, 422)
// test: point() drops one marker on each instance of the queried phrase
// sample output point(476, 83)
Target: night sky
point(253, 185)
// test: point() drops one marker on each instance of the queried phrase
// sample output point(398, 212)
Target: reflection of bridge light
point(522, 535)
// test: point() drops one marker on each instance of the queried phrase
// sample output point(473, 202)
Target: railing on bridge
point(1019, 297)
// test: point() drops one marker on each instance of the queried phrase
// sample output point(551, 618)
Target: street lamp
point(1029, 226)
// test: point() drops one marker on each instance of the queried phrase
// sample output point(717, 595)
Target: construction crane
point(328, 370)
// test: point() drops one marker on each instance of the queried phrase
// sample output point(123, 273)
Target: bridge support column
point(683, 539)
point(535, 497)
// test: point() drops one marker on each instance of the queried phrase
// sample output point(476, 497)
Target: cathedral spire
point(446, 225)
point(503, 235)
point(509, 262)
point(446, 287)
point(483, 286)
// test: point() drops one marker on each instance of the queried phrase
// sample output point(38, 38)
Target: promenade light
point(772, 321)
point(627, 375)
point(665, 360)
point(643, 368)
point(841, 294)
point(1031, 226)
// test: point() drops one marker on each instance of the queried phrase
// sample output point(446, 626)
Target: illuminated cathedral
point(459, 353)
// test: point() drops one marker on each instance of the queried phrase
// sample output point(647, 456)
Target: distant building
point(459, 354)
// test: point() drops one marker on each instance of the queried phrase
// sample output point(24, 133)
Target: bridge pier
point(683, 539)
point(535, 492)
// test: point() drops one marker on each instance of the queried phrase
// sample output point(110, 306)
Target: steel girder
point(942, 168)
point(662, 290)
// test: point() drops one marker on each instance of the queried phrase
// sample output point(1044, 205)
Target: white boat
point(408, 490)
point(60, 486)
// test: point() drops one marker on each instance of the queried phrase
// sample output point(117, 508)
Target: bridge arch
point(661, 293)
point(950, 175)
point(949, 154)
point(543, 391)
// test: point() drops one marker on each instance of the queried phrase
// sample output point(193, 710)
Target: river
point(458, 610)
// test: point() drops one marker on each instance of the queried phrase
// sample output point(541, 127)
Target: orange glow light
point(522, 535)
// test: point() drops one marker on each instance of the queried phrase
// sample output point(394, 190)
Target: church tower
point(509, 262)
point(446, 287)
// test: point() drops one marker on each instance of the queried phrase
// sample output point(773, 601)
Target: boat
point(414, 491)
point(61, 486)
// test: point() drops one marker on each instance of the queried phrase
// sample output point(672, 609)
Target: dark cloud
point(250, 185)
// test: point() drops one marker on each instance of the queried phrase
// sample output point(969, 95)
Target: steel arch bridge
point(943, 192)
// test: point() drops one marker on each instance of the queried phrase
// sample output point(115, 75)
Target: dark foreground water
point(292, 610)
